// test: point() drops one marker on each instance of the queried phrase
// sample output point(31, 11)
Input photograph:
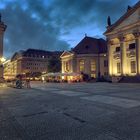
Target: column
point(110, 58)
point(123, 55)
point(72, 65)
point(137, 40)
point(62, 66)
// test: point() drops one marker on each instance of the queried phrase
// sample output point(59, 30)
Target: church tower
point(2, 30)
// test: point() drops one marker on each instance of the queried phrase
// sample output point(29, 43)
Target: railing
point(131, 53)
point(117, 55)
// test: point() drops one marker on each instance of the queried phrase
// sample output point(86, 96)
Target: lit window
point(118, 68)
point(81, 65)
point(133, 67)
point(93, 65)
point(93, 75)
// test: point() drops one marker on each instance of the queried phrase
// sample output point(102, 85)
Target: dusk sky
point(56, 24)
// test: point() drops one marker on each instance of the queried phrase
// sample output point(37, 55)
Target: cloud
point(25, 31)
point(42, 23)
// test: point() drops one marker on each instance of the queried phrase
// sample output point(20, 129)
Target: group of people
point(20, 84)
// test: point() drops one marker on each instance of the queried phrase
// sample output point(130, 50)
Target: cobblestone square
point(70, 111)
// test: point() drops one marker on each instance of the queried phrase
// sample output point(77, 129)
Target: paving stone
point(40, 124)
point(7, 131)
point(121, 102)
point(69, 93)
point(42, 113)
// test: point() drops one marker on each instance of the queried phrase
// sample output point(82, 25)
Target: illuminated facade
point(123, 39)
point(88, 57)
point(28, 62)
point(2, 30)
point(8, 73)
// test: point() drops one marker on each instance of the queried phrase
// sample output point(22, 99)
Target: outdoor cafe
point(61, 77)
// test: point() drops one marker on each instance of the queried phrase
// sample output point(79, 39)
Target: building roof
point(89, 45)
point(123, 17)
point(34, 53)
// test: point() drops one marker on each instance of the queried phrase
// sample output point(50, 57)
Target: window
point(93, 65)
point(105, 63)
point(87, 47)
point(132, 46)
point(133, 66)
point(105, 73)
point(118, 68)
point(118, 49)
point(82, 65)
point(93, 75)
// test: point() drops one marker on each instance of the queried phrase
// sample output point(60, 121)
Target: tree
point(54, 65)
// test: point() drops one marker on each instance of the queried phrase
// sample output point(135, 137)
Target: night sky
point(56, 24)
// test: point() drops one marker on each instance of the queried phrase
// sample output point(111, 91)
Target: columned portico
point(110, 58)
point(137, 40)
point(123, 55)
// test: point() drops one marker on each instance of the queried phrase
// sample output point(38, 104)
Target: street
point(70, 111)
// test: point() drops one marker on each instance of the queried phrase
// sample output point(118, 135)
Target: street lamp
point(3, 59)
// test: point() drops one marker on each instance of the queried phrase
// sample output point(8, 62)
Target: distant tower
point(2, 30)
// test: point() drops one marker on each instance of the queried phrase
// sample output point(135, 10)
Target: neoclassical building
point(123, 38)
point(89, 56)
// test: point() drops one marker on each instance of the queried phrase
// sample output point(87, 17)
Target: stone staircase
point(130, 79)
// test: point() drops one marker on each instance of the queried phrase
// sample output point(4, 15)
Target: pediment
point(131, 19)
point(66, 53)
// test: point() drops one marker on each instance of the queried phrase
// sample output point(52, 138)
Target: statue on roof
point(129, 8)
point(109, 21)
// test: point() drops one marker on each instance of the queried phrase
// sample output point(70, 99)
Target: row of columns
point(70, 63)
point(123, 54)
point(137, 36)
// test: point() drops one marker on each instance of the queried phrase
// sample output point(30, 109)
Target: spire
point(109, 21)
point(85, 35)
